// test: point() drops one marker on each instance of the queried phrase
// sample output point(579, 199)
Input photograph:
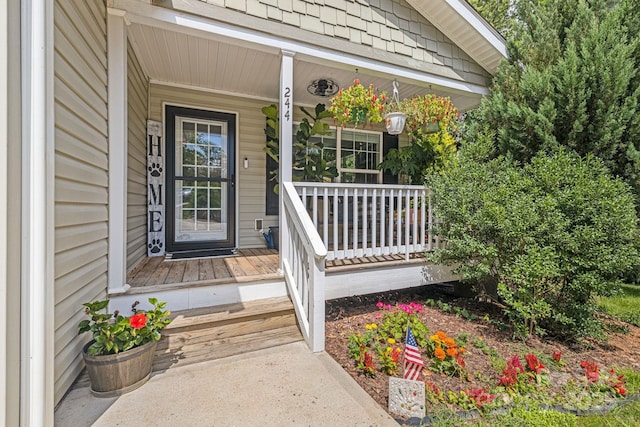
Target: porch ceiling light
point(323, 87)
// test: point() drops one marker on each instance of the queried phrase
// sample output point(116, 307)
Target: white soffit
point(464, 26)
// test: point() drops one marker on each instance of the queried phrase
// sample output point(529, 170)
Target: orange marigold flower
point(462, 350)
point(451, 352)
point(439, 353)
point(449, 342)
point(441, 335)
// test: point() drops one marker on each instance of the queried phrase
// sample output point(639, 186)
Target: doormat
point(201, 254)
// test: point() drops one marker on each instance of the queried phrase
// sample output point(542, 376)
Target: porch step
point(202, 334)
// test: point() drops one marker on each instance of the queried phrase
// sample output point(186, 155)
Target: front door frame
point(170, 112)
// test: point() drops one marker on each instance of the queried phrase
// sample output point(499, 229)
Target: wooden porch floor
point(248, 266)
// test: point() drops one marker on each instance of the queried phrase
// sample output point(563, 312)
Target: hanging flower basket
point(432, 127)
point(394, 122)
point(357, 105)
point(428, 114)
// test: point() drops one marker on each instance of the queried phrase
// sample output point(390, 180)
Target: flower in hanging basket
point(358, 105)
point(429, 114)
point(114, 333)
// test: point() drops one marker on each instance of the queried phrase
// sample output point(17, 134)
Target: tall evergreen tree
point(497, 12)
point(571, 80)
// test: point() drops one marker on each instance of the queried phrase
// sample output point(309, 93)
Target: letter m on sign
point(155, 190)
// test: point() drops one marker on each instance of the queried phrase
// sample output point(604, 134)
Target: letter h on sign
point(155, 190)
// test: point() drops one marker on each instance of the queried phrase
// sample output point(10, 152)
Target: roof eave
point(464, 26)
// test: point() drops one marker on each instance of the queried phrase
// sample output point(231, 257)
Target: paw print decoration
point(155, 169)
point(155, 246)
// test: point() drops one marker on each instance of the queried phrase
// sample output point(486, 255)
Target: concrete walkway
point(282, 386)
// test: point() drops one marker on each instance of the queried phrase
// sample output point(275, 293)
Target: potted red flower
point(120, 355)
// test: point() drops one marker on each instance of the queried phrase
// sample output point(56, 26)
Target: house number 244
point(287, 103)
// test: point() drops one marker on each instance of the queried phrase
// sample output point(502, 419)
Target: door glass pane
point(201, 211)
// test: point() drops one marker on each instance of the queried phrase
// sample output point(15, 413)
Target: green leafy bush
point(554, 234)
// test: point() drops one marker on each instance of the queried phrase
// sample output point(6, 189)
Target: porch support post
point(117, 110)
point(286, 141)
point(37, 205)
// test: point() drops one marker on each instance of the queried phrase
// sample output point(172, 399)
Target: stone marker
point(406, 397)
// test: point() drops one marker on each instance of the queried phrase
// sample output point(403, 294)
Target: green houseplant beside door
point(119, 358)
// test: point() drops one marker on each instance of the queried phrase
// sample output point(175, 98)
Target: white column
point(37, 204)
point(286, 139)
point(117, 109)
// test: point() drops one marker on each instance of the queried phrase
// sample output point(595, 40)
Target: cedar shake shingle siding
point(387, 25)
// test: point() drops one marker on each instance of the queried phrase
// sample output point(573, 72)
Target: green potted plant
point(120, 355)
point(308, 163)
point(431, 125)
point(358, 105)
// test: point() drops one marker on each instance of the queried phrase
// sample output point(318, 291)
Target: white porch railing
point(303, 257)
point(360, 220)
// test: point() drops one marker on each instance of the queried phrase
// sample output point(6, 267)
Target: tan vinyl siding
point(137, 97)
point(250, 123)
point(81, 181)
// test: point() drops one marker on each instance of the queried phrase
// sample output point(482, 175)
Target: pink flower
point(380, 304)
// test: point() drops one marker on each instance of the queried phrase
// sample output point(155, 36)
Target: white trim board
point(201, 296)
point(37, 233)
point(372, 280)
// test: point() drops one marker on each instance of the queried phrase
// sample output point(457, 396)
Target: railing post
point(286, 138)
point(316, 304)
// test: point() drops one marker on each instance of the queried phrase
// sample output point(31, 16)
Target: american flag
point(412, 360)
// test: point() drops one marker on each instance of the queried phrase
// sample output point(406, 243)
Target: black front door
point(200, 180)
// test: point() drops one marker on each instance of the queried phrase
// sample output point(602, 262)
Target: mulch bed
point(350, 315)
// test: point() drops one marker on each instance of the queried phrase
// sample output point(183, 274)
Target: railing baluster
point(325, 218)
point(315, 207)
point(365, 225)
point(374, 221)
point(355, 222)
point(383, 224)
point(335, 222)
point(345, 222)
point(423, 218)
point(391, 219)
point(398, 222)
point(414, 219)
point(304, 198)
point(430, 232)
point(407, 225)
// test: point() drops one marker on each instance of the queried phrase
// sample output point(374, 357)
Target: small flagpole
point(406, 337)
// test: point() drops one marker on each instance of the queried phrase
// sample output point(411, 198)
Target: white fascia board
point(479, 24)
point(154, 16)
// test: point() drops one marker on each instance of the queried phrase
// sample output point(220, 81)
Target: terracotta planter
point(116, 374)
point(394, 122)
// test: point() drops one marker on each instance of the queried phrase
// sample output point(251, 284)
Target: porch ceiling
point(250, 70)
